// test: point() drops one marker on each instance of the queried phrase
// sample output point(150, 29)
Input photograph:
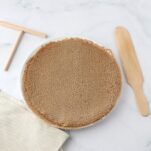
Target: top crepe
point(71, 83)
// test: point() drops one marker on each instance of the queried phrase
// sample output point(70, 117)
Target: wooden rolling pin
point(131, 68)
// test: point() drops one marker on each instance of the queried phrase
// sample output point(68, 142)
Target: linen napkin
point(21, 130)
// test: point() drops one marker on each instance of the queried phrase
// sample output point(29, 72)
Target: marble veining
point(124, 129)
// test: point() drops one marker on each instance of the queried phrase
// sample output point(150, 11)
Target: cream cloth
point(21, 130)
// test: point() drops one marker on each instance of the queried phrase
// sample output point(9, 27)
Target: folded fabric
point(21, 130)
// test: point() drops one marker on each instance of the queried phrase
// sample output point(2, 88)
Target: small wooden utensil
point(131, 67)
point(21, 30)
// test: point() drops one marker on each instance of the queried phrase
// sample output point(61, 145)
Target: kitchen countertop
point(124, 129)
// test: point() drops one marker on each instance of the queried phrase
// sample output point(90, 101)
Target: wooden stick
point(13, 51)
point(131, 67)
point(20, 28)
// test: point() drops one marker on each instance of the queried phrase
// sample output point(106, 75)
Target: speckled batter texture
point(71, 83)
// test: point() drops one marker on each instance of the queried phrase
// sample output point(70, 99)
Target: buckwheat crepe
point(71, 83)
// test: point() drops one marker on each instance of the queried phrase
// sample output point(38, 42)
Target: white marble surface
point(124, 129)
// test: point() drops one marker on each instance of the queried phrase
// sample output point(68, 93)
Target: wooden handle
point(20, 28)
point(141, 101)
point(13, 51)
